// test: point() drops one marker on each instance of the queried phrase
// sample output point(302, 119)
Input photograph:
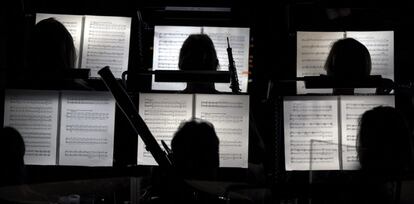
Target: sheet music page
point(167, 44)
point(35, 115)
point(87, 128)
point(169, 39)
point(381, 48)
point(239, 42)
point(163, 114)
point(106, 43)
point(311, 133)
point(352, 108)
point(312, 49)
point(73, 24)
point(230, 116)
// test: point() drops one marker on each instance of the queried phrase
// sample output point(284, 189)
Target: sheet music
point(311, 53)
point(381, 48)
point(311, 132)
point(106, 43)
point(169, 39)
point(87, 128)
point(167, 44)
point(352, 108)
point(239, 42)
point(230, 116)
point(313, 49)
point(163, 113)
point(35, 115)
point(73, 24)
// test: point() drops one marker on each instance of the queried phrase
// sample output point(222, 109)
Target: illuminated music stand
point(142, 80)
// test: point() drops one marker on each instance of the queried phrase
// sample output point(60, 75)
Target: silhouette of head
point(348, 59)
point(384, 141)
point(12, 150)
point(52, 46)
point(195, 148)
point(198, 53)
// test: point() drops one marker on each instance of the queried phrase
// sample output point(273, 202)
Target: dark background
point(273, 53)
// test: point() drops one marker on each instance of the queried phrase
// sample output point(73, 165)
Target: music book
point(169, 39)
point(63, 127)
point(320, 132)
point(99, 40)
point(229, 114)
point(312, 50)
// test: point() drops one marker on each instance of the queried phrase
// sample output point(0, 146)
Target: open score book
point(320, 132)
point(99, 40)
point(63, 127)
point(229, 114)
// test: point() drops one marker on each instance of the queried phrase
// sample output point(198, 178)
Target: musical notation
point(169, 39)
point(34, 115)
point(86, 115)
point(313, 49)
point(221, 104)
point(230, 156)
point(106, 43)
point(315, 127)
point(87, 125)
point(353, 107)
point(86, 154)
point(163, 114)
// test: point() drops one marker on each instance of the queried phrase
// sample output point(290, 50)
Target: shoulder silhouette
point(52, 46)
point(384, 142)
point(195, 148)
point(12, 150)
point(348, 59)
point(198, 54)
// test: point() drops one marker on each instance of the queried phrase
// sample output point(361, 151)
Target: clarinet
point(234, 81)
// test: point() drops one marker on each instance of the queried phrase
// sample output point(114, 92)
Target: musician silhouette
point(195, 148)
point(385, 144)
point(195, 154)
point(52, 46)
point(198, 54)
point(348, 60)
point(12, 150)
point(385, 153)
point(52, 54)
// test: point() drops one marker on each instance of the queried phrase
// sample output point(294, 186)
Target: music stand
point(141, 81)
point(323, 81)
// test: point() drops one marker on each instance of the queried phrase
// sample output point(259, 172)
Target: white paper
point(106, 43)
point(167, 44)
point(313, 49)
point(35, 115)
point(230, 116)
point(73, 23)
point(163, 113)
point(311, 133)
point(380, 45)
point(239, 39)
point(168, 41)
point(352, 108)
point(87, 128)
point(311, 53)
